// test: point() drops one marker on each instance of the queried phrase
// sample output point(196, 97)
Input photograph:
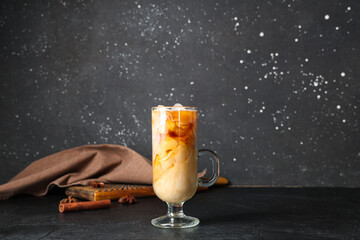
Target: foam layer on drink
point(174, 153)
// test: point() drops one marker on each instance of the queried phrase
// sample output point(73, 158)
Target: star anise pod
point(97, 184)
point(127, 199)
point(70, 199)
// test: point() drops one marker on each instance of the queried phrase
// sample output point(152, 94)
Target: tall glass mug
point(174, 158)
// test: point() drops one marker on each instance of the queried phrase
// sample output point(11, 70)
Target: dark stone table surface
point(224, 213)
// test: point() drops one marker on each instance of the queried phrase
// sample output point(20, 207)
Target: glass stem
point(175, 210)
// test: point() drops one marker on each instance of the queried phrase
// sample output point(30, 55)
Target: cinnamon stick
point(83, 206)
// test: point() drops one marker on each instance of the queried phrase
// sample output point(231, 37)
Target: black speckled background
point(276, 82)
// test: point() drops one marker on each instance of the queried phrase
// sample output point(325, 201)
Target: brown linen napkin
point(80, 166)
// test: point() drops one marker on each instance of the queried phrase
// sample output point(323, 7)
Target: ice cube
point(178, 105)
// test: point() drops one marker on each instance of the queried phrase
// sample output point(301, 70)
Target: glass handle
point(215, 168)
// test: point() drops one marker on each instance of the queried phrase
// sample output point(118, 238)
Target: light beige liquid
point(174, 133)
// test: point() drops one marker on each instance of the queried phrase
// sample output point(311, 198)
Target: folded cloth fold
point(80, 166)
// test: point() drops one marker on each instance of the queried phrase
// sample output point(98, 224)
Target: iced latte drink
point(174, 153)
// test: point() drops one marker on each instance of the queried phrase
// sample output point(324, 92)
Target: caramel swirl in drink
point(174, 153)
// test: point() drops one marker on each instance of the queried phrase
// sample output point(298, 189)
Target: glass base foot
point(175, 222)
